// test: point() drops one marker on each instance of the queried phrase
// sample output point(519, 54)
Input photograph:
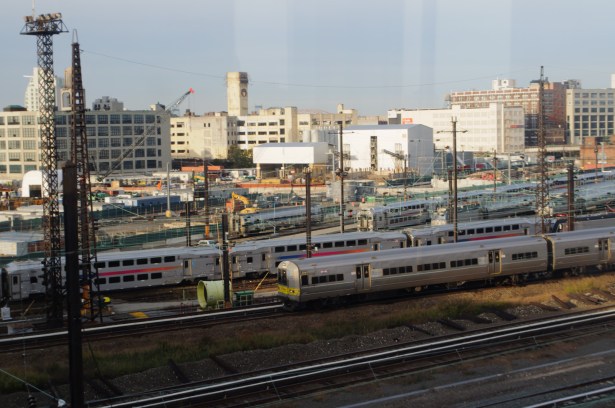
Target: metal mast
point(88, 276)
point(541, 190)
point(44, 27)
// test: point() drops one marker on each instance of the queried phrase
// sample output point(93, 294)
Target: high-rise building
point(590, 113)
point(31, 94)
point(206, 137)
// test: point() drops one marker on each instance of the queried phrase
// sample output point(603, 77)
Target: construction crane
point(149, 131)
point(402, 157)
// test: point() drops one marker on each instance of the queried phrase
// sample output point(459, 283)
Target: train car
point(576, 252)
point(336, 279)
point(256, 258)
point(268, 221)
point(471, 231)
point(122, 270)
point(395, 215)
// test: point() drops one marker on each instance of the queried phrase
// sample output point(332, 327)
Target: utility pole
point(541, 190)
point(571, 198)
point(341, 173)
point(206, 195)
point(455, 199)
point(308, 215)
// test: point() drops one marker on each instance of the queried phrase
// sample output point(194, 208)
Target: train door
point(494, 266)
point(363, 277)
point(15, 286)
point(603, 250)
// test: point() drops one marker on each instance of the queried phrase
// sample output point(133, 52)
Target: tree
point(240, 158)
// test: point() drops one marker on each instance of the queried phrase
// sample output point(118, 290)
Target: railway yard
point(507, 371)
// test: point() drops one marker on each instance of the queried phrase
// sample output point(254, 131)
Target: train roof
point(471, 224)
point(266, 243)
point(581, 234)
point(403, 253)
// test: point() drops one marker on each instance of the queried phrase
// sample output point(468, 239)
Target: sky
point(370, 55)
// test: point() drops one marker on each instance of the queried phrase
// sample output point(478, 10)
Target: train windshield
point(282, 276)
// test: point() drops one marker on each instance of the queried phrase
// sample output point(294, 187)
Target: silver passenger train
point(344, 278)
point(172, 266)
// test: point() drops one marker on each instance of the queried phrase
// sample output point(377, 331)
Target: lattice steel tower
point(44, 27)
point(542, 192)
point(79, 154)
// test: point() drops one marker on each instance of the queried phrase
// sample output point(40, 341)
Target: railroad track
point(317, 376)
point(17, 343)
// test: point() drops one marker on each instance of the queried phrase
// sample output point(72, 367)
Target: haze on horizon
point(368, 55)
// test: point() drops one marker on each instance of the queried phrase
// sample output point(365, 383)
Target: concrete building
point(208, 136)
point(111, 134)
point(365, 148)
point(505, 91)
point(589, 113)
point(496, 127)
point(237, 93)
point(272, 125)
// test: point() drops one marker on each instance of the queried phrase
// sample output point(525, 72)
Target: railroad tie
point(226, 367)
point(114, 389)
point(588, 300)
point(181, 376)
point(418, 329)
point(452, 324)
point(477, 319)
point(565, 305)
point(504, 315)
point(604, 294)
point(544, 307)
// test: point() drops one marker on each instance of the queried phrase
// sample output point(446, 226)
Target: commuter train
point(171, 266)
point(338, 279)
point(394, 215)
point(121, 270)
point(257, 258)
point(271, 221)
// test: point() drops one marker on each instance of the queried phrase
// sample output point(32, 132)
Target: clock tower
point(237, 93)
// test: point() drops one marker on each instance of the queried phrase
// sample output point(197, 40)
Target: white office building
point(496, 128)
point(208, 136)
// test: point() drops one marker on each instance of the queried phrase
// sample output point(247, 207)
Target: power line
point(299, 85)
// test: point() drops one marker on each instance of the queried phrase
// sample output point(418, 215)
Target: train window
point(419, 268)
point(156, 275)
point(453, 264)
point(322, 279)
point(234, 260)
point(304, 280)
point(393, 271)
point(279, 249)
point(314, 280)
point(506, 227)
point(516, 227)
point(128, 262)
point(471, 231)
point(340, 277)
point(332, 278)
point(99, 265)
point(263, 257)
point(169, 258)
point(385, 271)
point(351, 243)
point(327, 244)
point(498, 229)
point(101, 281)
point(142, 277)
point(291, 248)
point(129, 278)
point(461, 232)
point(427, 267)
point(142, 261)
point(339, 244)
point(249, 260)
point(217, 261)
point(114, 264)
point(366, 273)
point(302, 247)
point(33, 279)
point(489, 229)
point(114, 279)
point(480, 230)
point(451, 233)
point(156, 260)
point(358, 271)
point(277, 263)
point(362, 242)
